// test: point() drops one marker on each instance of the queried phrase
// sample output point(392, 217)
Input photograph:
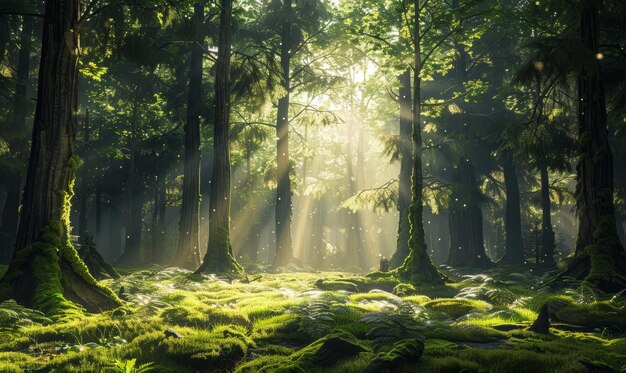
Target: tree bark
point(467, 248)
point(418, 267)
point(600, 257)
point(46, 272)
point(219, 256)
point(514, 253)
point(188, 252)
point(406, 161)
point(159, 252)
point(284, 246)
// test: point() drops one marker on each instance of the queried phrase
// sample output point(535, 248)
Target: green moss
point(456, 308)
point(15, 361)
point(324, 351)
point(420, 300)
point(596, 314)
point(336, 285)
point(51, 254)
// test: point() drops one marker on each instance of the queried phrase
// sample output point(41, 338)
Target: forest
point(312, 186)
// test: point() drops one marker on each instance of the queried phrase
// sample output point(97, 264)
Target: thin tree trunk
point(418, 267)
point(219, 256)
point(547, 233)
point(188, 252)
point(514, 253)
point(406, 164)
point(284, 245)
point(46, 272)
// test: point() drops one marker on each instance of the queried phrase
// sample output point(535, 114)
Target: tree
point(219, 256)
point(406, 164)
point(284, 249)
point(599, 257)
point(46, 272)
point(187, 252)
point(418, 267)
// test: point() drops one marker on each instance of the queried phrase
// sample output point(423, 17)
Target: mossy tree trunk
point(46, 272)
point(284, 244)
point(600, 257)
point(467, 247)
point(406, 164)
point(188, 252)
point(219, 256)
point(10, 215)
point(514, 253)
point(418, 267)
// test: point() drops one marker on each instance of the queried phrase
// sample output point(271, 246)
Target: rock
point(337, 285)
point(172, 333)
point(335, 349)
point(542, 324)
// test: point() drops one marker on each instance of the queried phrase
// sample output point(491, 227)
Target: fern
point(130, 366)
point(13, 315)
point(388, 328)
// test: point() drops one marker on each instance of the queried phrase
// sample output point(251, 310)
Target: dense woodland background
point(328, 121)
point(312, 186)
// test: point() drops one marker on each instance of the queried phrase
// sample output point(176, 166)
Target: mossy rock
point(336, 285)
point(456, 308)
point(593, 315)
point(325, 351)
point(203, 317)
point(402, 290)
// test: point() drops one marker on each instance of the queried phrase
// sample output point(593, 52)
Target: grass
point(280, 321)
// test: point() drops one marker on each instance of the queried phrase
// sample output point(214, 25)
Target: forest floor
point(321, 321)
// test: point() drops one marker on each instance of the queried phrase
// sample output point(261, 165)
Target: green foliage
point(130, 366)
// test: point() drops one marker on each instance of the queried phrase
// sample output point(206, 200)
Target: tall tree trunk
point(10, 214)
point(159, 253)
point(284, 246)
point(46, 272)
point(600, 257)
point(219, 256)
point(418, 267)
point(547, 233)
point(188, 252)
point(514, 253)
point(406, 164)
point(467, 247)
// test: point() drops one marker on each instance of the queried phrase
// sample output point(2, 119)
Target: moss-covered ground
point(321, 321)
